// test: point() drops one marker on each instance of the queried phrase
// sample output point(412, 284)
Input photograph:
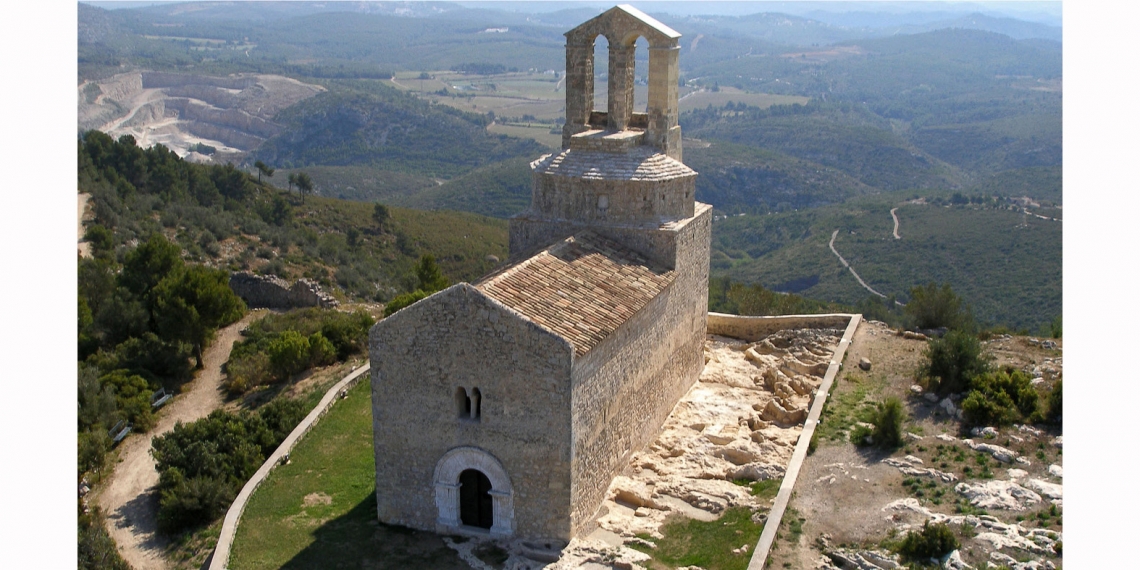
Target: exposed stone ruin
point(271, 292)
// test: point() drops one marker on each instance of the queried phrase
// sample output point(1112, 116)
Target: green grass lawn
point(319, 511)
point(709, 544)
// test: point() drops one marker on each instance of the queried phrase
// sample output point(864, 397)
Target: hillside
point(1005, 265)
point(740, 178)
point(841, 137)
point(372, 124)
point(224, 218)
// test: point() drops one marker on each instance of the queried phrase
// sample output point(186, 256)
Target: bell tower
point(621, 26)
point(619, 173)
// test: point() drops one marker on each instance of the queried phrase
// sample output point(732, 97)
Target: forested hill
point(377, 125)
point(945, 109)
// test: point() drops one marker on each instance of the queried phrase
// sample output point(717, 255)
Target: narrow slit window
point(475, 402)
point(462, 402)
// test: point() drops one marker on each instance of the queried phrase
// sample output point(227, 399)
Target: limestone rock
point(984, 432)
point(909, 466)
point(864, 364)
point(863, 559)
point(776, 413)
point(757, 472)
point(998, 452)
point(1046, 489)
point(953, 561)
point(1056, 471)
point(1005, 495)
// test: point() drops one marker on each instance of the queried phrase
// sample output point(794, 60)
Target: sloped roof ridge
point(581, 288)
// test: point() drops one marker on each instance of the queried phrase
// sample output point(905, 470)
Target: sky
point(37, 233)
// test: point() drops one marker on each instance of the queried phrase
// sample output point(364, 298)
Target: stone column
point(620, 86)
point(664, 74)
point(447, 502)
point(579, 89)
point(504, 513)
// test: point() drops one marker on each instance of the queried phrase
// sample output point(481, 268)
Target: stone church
point(506, 407)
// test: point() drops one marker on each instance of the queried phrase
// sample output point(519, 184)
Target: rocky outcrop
point(267, 291)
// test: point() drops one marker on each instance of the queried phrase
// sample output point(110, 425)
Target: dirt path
point(129, 497)
point(84, 247)
point(895, 217)
point(831, 244)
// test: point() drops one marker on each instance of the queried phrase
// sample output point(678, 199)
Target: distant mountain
point(387, 129)
point(1016, 29)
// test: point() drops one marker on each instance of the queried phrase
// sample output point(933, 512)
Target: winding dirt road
point(129, 496)
point(831, 244)
point(895, 217)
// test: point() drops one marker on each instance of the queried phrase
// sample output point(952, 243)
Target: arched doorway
point(475, 505)
point(473, 493)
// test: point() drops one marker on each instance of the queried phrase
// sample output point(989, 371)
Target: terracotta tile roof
point(581, 288)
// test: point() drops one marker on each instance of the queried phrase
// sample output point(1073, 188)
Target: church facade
point(505, 407)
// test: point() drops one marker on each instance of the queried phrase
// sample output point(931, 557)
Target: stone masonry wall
point(756, 328)
point(267, 291)
point(460, 338)
point(626, 386)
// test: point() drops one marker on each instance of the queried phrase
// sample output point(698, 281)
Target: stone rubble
point(987, 528)
point(741, 421)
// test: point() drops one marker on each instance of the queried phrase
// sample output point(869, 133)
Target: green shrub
point(289, 353)
point(401, 301)
point(859, 435)
point(193, 502)
point(97, 549)
point(932, 307)
point(321, 350)
point(888, 422)
point(247, 372)
point(933, 541)
point(953, 361)
point(132, 397)
point(100, 238)
point(203, 464)
point(1054, 413)
point(1000, 398)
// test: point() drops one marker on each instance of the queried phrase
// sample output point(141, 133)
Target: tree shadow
point(357, 539)
point(140, 516)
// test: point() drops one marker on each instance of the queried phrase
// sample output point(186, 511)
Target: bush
point(886, 426)
point(954, 360)
point(932, 307)
point(203, 464)
point(97, 550)
point(193, 502)
point(289, 354)
point(132, 398)
point(247, 372)
point(888, 422)
point(933, 541)
point(401, 301)
point(1000, 398)
point(321, 351)
point(1054, 413)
